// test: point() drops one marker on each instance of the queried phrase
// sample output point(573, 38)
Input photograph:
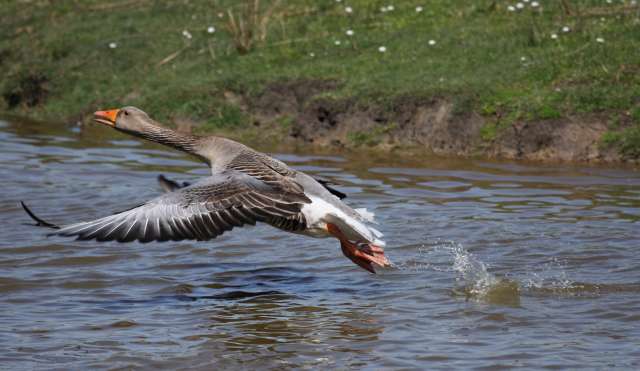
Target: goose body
point(245, 187)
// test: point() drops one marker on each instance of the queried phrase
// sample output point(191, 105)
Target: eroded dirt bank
point(298, 110)
point(300, 113)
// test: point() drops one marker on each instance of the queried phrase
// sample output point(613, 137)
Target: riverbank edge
point(303, 114)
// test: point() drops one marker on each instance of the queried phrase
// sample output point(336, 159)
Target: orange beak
point(106, 117)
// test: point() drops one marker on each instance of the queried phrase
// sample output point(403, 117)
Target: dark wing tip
point(39, 222)
point(327, 185)
point(169, 185)
point(335, 192)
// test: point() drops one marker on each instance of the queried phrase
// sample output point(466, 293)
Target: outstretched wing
point(169, 185)
point(200, 211)
point(267, 169)
point(273, 171)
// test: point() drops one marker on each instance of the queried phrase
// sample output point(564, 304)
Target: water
point(496, 265)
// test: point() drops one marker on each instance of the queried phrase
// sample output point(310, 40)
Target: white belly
point(320, 212)
point(315, 214)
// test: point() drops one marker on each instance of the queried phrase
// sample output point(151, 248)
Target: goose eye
point(126, 113)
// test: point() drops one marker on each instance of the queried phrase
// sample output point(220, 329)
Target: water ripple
point(496, 265)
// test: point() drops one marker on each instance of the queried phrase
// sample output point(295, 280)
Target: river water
point(496, 265)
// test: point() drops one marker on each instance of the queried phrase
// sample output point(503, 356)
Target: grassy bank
point(63, 59)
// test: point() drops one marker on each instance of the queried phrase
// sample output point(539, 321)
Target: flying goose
point(245, 187)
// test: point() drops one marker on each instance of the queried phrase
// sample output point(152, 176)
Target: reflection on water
point(496, 265)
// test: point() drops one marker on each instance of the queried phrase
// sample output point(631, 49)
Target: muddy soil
point(30, 90)
point(430, 125)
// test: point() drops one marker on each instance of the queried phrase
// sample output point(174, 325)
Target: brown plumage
point(245, 187)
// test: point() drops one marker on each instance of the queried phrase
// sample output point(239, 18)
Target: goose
point(245, 187)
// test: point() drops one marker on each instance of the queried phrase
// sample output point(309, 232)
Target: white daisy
point(382, 49)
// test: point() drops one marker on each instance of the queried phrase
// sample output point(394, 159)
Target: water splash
point(473, 279)
point(472, 273)
point(551, 280)
point(551, 275)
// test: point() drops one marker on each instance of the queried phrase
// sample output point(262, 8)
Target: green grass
point(489, 131)
point(371, 137)
point(626, 141)
point(485, 58)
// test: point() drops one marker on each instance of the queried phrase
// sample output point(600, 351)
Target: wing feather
point(201, 211)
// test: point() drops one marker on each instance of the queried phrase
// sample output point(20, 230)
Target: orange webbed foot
point(363, 254)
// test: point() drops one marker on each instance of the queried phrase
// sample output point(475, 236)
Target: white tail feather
point(376, 232)
point(354, 227)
